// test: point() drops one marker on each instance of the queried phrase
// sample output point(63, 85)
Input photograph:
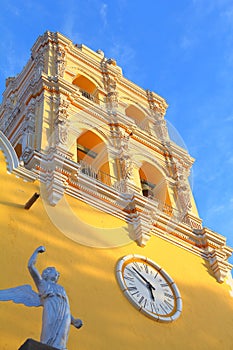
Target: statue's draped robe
point(56, 315)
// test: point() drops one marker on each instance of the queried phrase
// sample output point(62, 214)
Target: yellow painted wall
point(88, 275)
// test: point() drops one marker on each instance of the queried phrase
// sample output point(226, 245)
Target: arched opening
point(87, 87)
point(93, 156)
point(138, 116)
point(154, 186)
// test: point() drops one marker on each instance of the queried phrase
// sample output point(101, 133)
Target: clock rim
point(172, 285)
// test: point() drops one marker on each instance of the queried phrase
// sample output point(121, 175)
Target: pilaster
point(28, 131)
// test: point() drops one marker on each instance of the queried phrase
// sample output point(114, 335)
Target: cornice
point(126, 85)
point(137, 210)
point(181, 153)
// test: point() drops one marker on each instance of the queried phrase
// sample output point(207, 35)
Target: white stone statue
point(56, 310)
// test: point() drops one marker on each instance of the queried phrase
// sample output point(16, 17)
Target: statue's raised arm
point(31, 266)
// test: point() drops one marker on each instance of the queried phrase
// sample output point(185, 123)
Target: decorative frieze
point(144, 214)
point(193, 221)
point(38, 65)
point(110, 85)
point(182, 186)
point(28, 131)
point(11, 111)
point(60, 61)
point(52, 175)
point(124, 156)
point(158, 111)
point(61, 122)
point(183, 194)
point(216, 252)
point(219, 265)
point(156, 103)
point(160, 127)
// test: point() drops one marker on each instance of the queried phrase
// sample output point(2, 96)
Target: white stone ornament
point(56, 319)
point(149, 288)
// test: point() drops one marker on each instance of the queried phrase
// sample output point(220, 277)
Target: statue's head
point(50, 274)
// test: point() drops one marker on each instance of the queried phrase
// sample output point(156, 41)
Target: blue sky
point(182, 50)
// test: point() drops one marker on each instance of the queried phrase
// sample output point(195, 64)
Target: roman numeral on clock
point(163, 308)
point(141, 299)
point(152, 305)
point(146, 268)
point(163, 285)
point(169, 305)
point(138, 267)
point(129, 278)
point(170, 296)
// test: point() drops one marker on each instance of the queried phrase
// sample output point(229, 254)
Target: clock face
point(149, 288)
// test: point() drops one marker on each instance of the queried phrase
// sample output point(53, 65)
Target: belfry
point(108, 194)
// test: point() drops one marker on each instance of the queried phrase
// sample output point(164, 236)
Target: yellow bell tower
point(115, 212)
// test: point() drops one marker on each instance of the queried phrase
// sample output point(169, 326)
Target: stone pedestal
point(31, 344)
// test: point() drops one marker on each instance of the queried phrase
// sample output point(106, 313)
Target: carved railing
point(88, 96)
point(98, 175)
point(112, 181)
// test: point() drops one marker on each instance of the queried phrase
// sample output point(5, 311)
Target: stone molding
point(63, 176)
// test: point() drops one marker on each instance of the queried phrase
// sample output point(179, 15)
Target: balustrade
point(98, 175)
point(112, 181)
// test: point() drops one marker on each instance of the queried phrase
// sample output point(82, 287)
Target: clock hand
point(151, 291)
point(144, 279)
point(148, 284)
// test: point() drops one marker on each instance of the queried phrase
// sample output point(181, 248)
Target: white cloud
point(215, 211)
point(229, 118)
point(186, 43)
point(207, 6)
point(13, 9)
point(69, 24)
point(228, 14)
point(125, 57)
point(123, 53)
point(230, 160)
point(12, 63)
point(103, 13)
